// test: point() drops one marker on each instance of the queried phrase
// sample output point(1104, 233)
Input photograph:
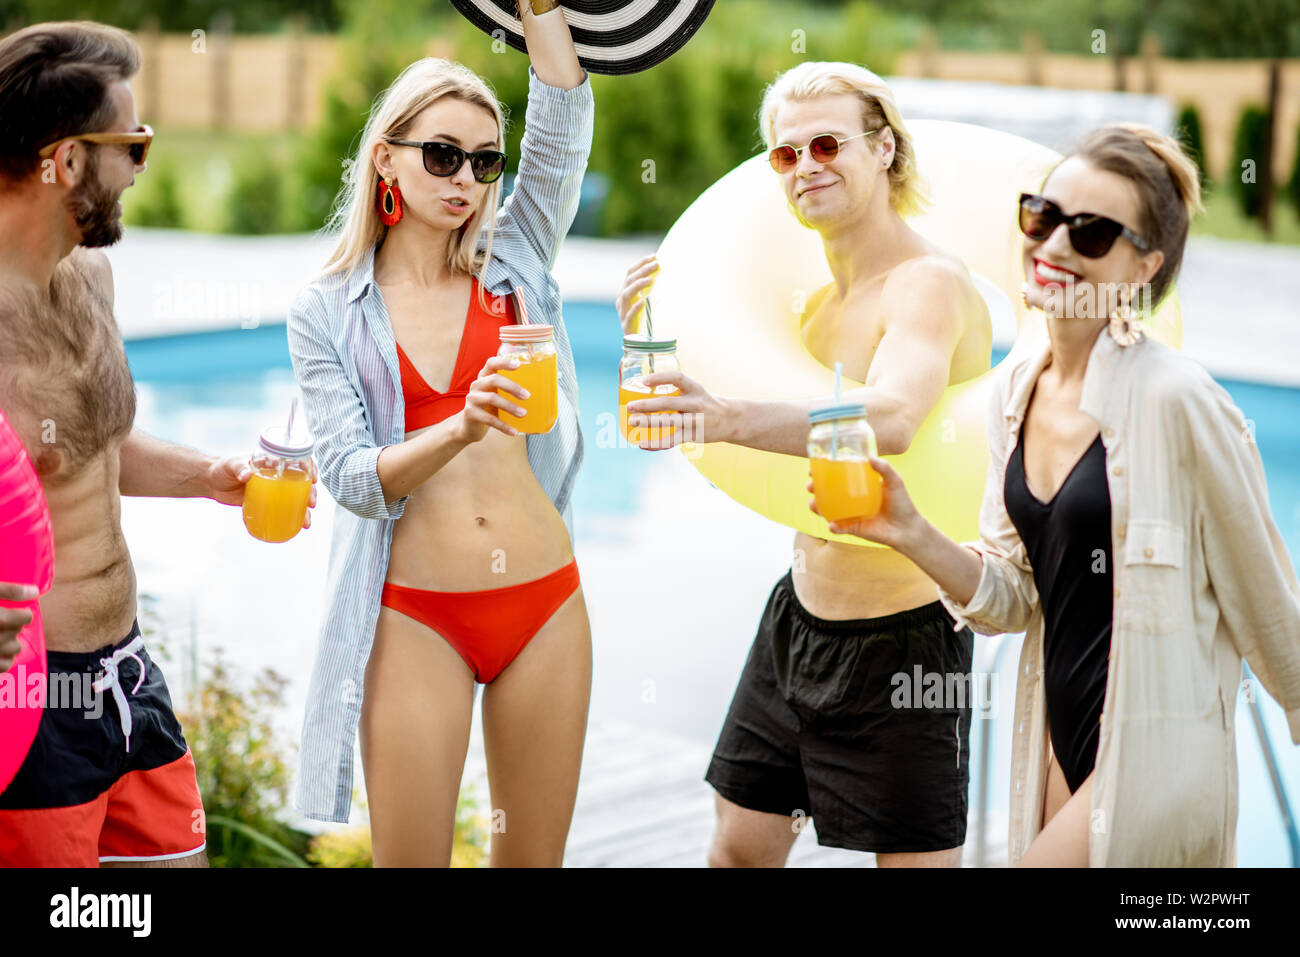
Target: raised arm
point(550, 45)
point(556, 143)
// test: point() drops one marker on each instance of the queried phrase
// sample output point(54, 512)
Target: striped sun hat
point(611, 36)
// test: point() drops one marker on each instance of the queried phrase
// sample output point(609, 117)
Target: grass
point(1223, 219)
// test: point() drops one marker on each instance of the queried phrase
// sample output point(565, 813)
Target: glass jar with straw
point(277, 494)
point(840, 443)
point(644, 355)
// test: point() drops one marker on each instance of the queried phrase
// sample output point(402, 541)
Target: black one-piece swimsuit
point(1068, 543)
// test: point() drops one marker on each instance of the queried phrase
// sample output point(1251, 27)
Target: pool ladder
point(1265, 744)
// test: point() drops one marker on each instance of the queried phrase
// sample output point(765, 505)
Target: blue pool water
point(216, 391)
point(221, 368)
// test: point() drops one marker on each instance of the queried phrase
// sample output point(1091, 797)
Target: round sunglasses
point(444, 159)
point(1091, 235)
point(823, 148)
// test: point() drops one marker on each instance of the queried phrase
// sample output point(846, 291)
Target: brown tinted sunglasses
point(137, 142)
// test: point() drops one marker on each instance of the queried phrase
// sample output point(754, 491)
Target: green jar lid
point(644, 344)
point(832, 412)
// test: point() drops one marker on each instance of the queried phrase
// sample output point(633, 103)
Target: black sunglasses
point(1090, 235)
point(444, 159)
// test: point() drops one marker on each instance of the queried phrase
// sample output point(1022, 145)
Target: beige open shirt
point(1201, 580)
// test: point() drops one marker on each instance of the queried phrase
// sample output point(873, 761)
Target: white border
point(157, 857)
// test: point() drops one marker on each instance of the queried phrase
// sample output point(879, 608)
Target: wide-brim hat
point(611, 36)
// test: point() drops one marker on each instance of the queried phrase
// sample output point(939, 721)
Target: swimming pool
point(643, 521)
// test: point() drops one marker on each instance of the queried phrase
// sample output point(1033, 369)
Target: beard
point(94, 206)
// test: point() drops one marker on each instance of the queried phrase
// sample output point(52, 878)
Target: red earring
point(389, 202)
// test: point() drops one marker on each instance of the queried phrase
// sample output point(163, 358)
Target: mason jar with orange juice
point(643, 356)
point(538, 372)
point(277, 495)
point(840, 443)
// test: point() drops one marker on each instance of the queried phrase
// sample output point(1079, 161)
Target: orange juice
point(630, 390)
point(846, 488)
point(275, 507)
point(540, 376)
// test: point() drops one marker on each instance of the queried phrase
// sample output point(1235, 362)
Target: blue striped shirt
point(345, 360)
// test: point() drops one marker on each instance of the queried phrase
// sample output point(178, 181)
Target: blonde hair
point(1168, 186)
point(807, 81)
point(355, 216)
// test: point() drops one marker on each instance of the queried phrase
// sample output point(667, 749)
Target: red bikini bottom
point(487, 628)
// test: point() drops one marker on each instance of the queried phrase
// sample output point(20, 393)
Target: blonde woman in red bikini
point(452, 559)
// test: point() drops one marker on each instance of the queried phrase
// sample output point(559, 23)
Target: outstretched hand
point(696, 415)
point(897, 521)
point(228, 478)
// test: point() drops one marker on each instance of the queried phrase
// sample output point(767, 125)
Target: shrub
point(1248, 158)
point(346, 847)
point(1294, 186)
point(381, 38)
point(1188, 130)
point(154, 200)
point(242, 773)
point(253, 205)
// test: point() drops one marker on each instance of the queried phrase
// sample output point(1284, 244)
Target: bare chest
point(78, 399)
point(1054, 437)
point(430, 328)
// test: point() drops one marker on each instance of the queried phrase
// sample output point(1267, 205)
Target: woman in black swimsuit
point(1068, 532)
point(1125, 501)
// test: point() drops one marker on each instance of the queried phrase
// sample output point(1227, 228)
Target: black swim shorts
point(820, 727)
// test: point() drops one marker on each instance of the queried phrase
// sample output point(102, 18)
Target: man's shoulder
point(932, 268)
point(933, 289)
point(91, 267)
point(932, 275)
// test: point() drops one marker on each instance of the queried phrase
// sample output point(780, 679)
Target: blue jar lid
point(831, 412)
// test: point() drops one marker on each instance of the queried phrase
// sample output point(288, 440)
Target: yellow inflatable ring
point(737, 268)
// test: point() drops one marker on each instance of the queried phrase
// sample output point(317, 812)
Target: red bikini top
point(480, 341)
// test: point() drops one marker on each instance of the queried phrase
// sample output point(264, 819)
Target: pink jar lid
point(522, 333)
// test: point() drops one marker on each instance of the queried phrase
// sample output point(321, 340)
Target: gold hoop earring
point(1123, 326)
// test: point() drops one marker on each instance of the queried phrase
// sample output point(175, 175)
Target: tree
point(1255, 28)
